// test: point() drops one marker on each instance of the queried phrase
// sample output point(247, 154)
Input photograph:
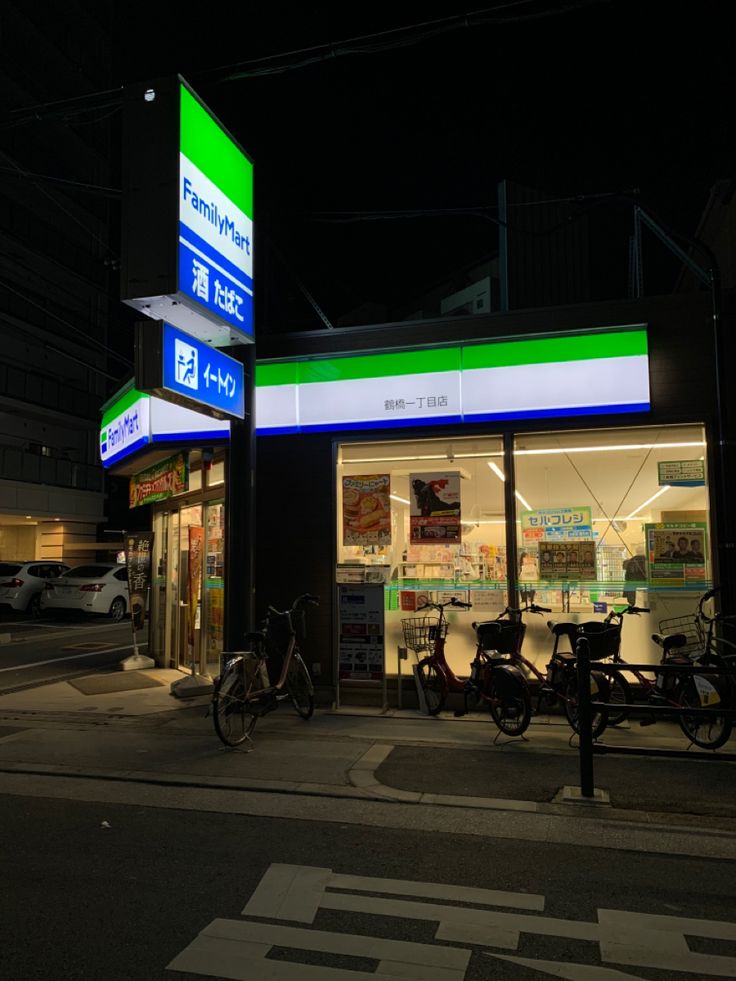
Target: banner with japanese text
point(138, 551)
point(194, 579)
point(562, 523)
point(169, 477)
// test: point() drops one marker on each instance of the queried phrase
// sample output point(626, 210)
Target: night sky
point(599, 97)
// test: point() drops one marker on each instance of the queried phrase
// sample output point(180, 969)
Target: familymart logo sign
point(572, 375)
point(127, 430)
point(215, 218)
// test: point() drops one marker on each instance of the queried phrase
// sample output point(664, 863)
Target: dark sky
point(599, 97)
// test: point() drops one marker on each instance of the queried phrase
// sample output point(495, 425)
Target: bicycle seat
point(669, 642)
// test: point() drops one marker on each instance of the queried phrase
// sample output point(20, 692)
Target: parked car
point(101, 587)
point(22, 584)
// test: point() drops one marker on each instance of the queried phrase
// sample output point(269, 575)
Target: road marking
point(69, 657)
point(573, 972)
point(300, 890)
point(235, 949)
point(239, 949)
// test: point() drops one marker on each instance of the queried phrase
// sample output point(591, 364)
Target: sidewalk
point(145, 735)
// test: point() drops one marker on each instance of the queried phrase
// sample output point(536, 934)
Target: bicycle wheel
point(570, 706)
point(511, 709)
point(300, 688)
point(620, 694)
point(704, 731)
point(433, 684)
point(234, 721)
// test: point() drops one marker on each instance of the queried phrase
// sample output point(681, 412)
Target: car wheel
point(117, 609)
point(34, 606)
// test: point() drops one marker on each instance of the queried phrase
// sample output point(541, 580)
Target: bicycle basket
point(604, 638)
point(504, 636)
point(691, 627)
point(278, 631)
point(420, 633)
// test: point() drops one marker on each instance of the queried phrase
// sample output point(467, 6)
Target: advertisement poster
point(434, 512)
point(170, 476)
point(556, 523)
point(567, 560)
point(361, 626)
point(366, 510)
point(138, 551)
point(676, 550)
point(194, 579)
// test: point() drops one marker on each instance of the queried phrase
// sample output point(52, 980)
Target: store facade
point(174, 460)
point(575, 447)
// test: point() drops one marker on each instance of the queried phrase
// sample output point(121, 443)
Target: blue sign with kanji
point(202, 373)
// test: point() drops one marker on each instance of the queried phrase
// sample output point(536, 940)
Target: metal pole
point(585, 722)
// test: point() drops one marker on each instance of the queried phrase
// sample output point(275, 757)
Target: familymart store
point(490, 462)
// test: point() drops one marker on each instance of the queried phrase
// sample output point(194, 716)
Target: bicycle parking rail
point(586, 706)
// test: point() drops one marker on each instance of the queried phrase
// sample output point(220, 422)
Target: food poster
point(434, 511)
point(563, 561)
point(361, 632)
point(366, 510)
point(676, 551)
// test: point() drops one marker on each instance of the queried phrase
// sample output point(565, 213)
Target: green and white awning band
point(577, 374)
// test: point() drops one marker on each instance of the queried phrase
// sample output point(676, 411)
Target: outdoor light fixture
point(150, 95)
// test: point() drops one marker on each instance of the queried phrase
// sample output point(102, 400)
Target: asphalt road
point(118, 891)
point(34, 652)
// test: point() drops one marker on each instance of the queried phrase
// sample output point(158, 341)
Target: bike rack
point(587, 747)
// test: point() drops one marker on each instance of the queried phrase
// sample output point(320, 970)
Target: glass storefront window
point(377, 537)
point(216, 473)
point(607, 517)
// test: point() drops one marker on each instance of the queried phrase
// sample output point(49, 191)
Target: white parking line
point(70, 657)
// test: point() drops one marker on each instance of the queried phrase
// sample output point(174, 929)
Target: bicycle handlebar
point(440, 606)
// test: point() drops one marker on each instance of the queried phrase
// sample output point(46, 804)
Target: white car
point(22, 583)
point(101, 587)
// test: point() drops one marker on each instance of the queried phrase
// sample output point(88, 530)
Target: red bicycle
point(493, 681)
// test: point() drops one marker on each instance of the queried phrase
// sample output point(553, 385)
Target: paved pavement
point(147, 736)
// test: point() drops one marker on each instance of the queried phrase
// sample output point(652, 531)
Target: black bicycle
point(244, 691)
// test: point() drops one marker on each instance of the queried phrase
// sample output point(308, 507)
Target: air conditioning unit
point(473, 299)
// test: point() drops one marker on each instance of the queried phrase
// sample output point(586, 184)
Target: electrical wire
point(110, 192)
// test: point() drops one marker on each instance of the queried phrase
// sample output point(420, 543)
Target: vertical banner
point(138, 551)
point(366, 510)
point(194, 579)
point(435, 507)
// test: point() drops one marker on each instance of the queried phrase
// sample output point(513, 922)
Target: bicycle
point(687, 645)
point(560, 684)
point(243, 692)
point(492, 681)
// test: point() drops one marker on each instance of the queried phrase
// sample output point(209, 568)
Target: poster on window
point(566, 561)
point(676, 550)
point(138, 551)
point(434, 511)
point(366, 510)
point(194, 578)
point(361, 625)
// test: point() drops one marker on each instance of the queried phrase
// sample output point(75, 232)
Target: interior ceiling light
point(607, 449)
point(502, 476)
point(395, 497)
point(648, 501)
